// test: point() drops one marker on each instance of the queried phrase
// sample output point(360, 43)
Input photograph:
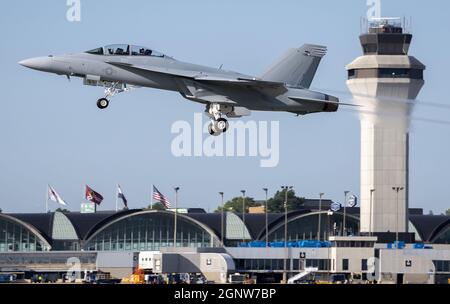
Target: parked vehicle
point(101, 278)
point(7, 278)
point(44, 278)
point(237, 278)
point(338, 279)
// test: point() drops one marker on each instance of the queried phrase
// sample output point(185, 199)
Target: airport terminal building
point(113, 241)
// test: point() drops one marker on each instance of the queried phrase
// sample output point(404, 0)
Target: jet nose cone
point(39, 63)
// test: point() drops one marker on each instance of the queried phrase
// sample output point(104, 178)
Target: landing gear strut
point(218, 124)
point(111, 90)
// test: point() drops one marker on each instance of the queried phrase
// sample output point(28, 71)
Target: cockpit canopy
point(125, 50)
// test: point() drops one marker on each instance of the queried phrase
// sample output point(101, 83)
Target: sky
point(51, 131)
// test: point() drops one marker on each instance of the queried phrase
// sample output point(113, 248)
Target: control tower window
point(351, 74)
point(386, 73)
point(371, 48)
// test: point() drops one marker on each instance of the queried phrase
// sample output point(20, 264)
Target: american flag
point(158, 196)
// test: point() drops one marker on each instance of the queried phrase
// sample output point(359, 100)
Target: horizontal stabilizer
point(334, 102)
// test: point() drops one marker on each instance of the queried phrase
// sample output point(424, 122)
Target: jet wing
point(239, 81)
point(167, 71)
point(217, 78)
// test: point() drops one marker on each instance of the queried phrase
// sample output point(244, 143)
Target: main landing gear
point(217, 127)
point(218, 124)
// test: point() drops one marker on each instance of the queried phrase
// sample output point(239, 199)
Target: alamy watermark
point(242, 139)
point(373, 9)
point(74, 269)
point(74, 10)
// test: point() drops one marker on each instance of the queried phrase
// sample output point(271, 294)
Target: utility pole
point(397, 189)
point(222, 221)
point(175, 217)
point(320, 216)
point(286, 190)
point(344, 228)
point(266, 190)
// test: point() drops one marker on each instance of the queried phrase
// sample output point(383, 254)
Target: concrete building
point(113, 242)
point(385, 81)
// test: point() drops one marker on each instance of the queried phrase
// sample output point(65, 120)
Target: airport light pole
point(266, 190)
point(286, 190)
point(344, 228)
point(320, 216)
point(175, 217)
point(329, 215)
point(222, 220)
point(371, 212)
point(243, 215)
point(397, 189)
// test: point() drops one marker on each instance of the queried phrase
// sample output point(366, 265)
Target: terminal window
point(345, 264)
point(364, 265)
point(442, 266)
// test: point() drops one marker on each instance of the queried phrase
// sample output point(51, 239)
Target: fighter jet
point(120, 68)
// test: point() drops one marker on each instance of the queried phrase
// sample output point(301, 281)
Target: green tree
point(447, 212)
point(157, 206)
point(235, 205)
point(276, 204)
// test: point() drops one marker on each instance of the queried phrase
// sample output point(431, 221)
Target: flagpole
point(151, 195)
point(46, 199)
point(117, 198)
point(84, 195)
point(175, 217)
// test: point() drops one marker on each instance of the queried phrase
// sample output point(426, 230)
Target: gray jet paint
point(284, 87)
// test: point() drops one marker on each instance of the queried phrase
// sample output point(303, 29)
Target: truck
point(237, 278)
point(7, 278)
point(101, 278)
point(44, 278)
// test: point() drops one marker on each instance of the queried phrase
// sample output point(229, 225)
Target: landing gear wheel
point(222, 125)
point(102, 103)
point(212, 131)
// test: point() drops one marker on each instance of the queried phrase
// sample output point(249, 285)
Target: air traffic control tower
point(385, 81)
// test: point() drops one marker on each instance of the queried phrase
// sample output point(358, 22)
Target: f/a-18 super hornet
point(119, 68)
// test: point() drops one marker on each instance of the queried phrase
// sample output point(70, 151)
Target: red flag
point(93, 196)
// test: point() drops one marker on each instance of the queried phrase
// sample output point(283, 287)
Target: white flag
point(54, 196)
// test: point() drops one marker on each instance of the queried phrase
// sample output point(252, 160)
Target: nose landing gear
point(102, 103)
point(111, 89)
